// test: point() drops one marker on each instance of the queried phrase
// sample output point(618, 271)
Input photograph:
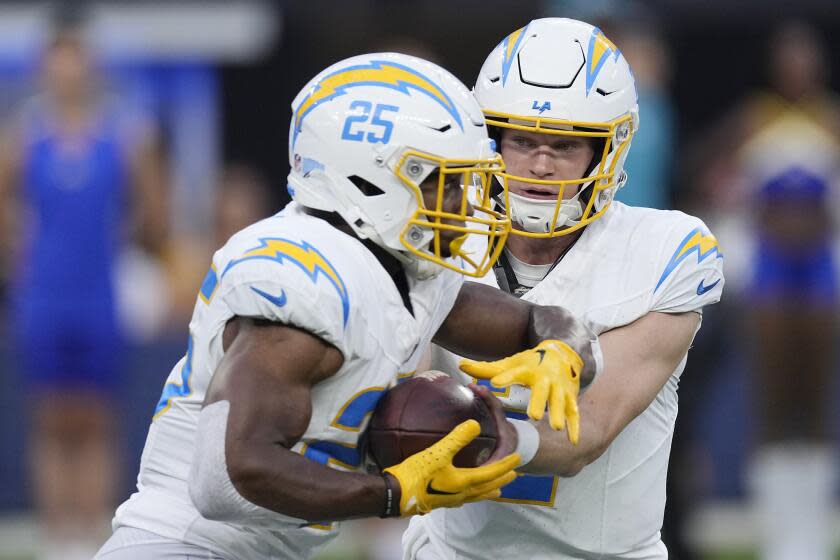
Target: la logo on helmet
point(545, 105)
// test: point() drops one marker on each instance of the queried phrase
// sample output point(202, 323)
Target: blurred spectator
point(766, 176)
point(241, 198)
point(75, 174)
point(649, 163)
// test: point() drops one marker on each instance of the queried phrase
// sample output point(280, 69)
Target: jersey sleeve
point(689, 273)
point(313, 298)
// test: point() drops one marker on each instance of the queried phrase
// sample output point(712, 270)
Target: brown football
point(417, 413)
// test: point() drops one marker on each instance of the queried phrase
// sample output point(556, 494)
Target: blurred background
point(149, 132)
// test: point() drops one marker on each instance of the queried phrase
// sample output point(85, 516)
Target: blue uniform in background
point(63, 294)
point(807, 278)
point(807, 272)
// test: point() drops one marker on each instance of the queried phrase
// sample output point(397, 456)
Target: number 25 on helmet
point(371, 133)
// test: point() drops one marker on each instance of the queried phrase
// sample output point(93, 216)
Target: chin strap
point(506, 278)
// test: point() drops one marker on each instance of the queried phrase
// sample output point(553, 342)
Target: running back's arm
point(489, 324)
point(267, 375)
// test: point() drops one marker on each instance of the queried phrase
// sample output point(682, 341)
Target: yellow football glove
point(428, 480)
point(551, 370)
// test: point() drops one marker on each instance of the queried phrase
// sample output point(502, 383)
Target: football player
point(559, 98)
point(306, 318)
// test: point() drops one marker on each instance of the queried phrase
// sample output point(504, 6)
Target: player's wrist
point(528, 440)
point(393, 496)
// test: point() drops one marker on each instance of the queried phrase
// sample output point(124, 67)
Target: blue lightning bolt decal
point(304, 256)
point(378, 73)
point(704, 244)
point(600, 49)
point(511, 44)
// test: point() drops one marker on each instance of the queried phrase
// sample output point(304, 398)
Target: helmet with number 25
point(369, 131)
point(562, 77)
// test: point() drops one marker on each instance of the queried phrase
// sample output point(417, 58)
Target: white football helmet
point(562, 76)
point(367, 131)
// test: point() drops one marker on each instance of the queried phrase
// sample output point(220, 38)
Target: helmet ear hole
point(365, 187)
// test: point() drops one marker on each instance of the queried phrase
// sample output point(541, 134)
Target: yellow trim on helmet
point(477, 177)
point(604, 179)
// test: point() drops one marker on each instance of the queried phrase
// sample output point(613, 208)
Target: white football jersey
point(629, 262)
point(301, 271)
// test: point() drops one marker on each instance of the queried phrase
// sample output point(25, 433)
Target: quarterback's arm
point(638, 360)
point(488, 324)
point(266, 377)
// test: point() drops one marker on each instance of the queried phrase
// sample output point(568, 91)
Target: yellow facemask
point(617, 135)
point(424, 235)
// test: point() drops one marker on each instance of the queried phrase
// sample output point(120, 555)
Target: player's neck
point(540, 251)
